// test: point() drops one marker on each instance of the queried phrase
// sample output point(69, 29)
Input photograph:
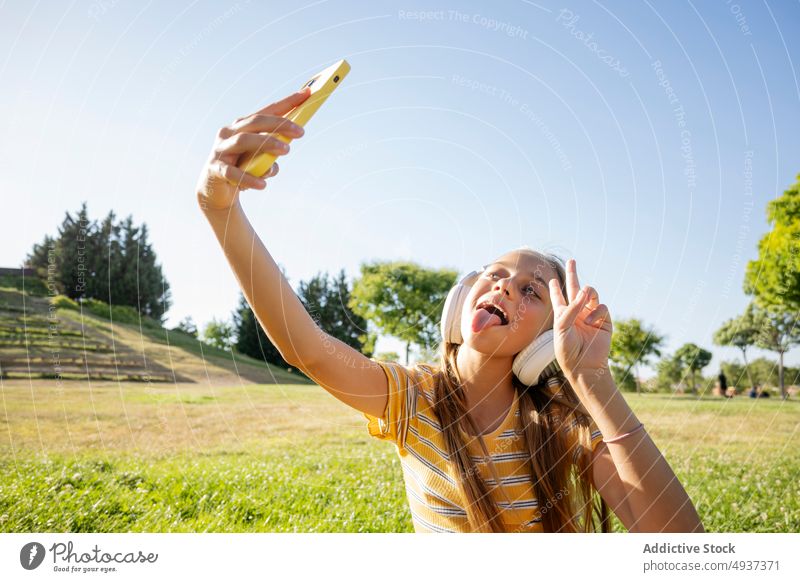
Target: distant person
point(754, 391)
point(723, 384)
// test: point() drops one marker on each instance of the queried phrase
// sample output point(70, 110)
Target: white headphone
point(533, 364)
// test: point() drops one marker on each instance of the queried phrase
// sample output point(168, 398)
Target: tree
point(778, 332)
point(125, 279)
point(387, 356)
point(774, 277)
point(669, 373)
point(107, 254)
point(623, 378)
point(39, 259)
point(187, 326)
point(740, 332)
point(632, 344)
point(251, 339)
point(694, 358)
point(65, 261)
point(403, 299)
point(74, 236)
point(110, 262)
point(219, 334)
point(761, 371)
point(328, 304)
point(136, 278)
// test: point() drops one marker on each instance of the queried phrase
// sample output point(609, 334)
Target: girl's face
point(517, 283)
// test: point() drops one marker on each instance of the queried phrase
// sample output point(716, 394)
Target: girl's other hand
point(220, 180)
point(581, 328)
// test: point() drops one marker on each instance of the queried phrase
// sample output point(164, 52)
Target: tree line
point(405, 300)
point(398, 298)
point(111, 261)
point(769, 322)
point(114, 262)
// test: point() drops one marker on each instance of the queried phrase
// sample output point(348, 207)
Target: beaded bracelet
point(619, 438)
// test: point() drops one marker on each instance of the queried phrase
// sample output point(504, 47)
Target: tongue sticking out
point(482, 319)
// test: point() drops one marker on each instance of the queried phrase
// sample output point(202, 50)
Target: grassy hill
point(40, 340)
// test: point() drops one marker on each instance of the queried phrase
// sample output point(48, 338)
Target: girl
point(481, 451)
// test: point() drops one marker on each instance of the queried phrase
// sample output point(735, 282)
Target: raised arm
point(344, 372)
point(630, 473)
point(274, 303)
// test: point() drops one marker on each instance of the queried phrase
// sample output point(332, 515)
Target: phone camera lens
point(336, 79)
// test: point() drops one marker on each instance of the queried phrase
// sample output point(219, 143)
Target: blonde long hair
point(567, 500)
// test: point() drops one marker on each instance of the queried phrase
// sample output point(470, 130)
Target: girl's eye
point(529, 290)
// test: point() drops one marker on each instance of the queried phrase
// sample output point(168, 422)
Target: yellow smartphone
point(322, 85)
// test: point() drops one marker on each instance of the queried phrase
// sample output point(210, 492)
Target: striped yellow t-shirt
point(435, 500)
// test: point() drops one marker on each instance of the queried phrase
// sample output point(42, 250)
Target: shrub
point(32, 285)
point(117, 313)
point(64, 302)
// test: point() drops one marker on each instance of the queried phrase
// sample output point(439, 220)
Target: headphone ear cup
point(537, 360)
point(451, 314)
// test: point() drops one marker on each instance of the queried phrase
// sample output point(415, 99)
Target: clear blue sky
point(643, 139)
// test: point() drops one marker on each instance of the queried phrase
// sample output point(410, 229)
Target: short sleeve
point(596, 435)
point(400, 407)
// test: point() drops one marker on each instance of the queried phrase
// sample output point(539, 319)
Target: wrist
point(595, 385)
point(213, 211)
point(589, 376)
point(600, 396)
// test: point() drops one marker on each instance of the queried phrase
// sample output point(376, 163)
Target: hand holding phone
point(244, 152)
point(320, 86)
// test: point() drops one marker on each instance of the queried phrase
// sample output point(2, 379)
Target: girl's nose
point(502, 285)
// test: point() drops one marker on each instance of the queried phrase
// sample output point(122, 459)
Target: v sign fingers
point(573, 286)
point(556, 297)
point(564, 314)
point(581, 329)
point(570, 313)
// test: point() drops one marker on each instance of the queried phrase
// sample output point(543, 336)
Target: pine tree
point(106, 254)
point(39, 259)
point(250, 337)
point(112, 262)
point(73, 262)
point(154, 291)
point(327, 303)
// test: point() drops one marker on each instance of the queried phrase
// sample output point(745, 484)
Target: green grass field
point(290, 458)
